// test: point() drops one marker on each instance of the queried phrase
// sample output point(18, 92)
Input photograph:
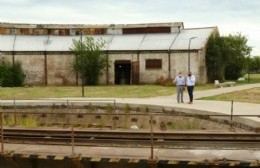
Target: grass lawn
point(253, 78)
point(249, 96)
point(127, 91)
point(90, 91)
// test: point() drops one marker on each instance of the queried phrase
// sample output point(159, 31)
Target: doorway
point(122, 72)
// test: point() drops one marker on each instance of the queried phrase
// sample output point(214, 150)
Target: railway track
point(136, 138)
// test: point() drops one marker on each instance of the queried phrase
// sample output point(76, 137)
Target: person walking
point(180, 86)
point(190, 83)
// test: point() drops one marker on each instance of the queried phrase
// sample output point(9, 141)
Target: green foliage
point(11, 75)
point(238, 52)
point(226, 57)
point(254, 64)
point(214, 58)
point(88, 59)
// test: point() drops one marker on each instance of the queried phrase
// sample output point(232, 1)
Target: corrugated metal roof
point(173, 41)
point(6, 42)
point(125, 42)
point(182, 41)
point(30, 43)
point(60, 43)
point(157, 41)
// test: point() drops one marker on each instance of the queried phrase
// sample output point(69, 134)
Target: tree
point(215, 60)
point(11, 75)
point(226, 57)
point(238, 52)
point(88, 60)
point(254, 64)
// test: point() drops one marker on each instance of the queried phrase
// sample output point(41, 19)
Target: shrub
point(164, 81)
point(11, 75)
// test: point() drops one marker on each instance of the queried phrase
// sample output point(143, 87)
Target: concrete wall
point(60, 71)
point(55, 68)
point(150, 75)
point(127, 56)
point(34, 68)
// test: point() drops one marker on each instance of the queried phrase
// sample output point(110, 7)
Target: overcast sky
point(230, 16)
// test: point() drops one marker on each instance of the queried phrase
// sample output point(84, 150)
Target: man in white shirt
point(180, 84)
point(190, 83)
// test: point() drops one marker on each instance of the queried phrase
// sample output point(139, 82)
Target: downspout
point(13, 57)
point(107, 68)
point(13, 52)
point(45, 62)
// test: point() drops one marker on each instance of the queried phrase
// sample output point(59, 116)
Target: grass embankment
point(248, 96)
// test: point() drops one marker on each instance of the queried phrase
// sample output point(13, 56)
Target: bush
point(11, 75)
point(164, 81)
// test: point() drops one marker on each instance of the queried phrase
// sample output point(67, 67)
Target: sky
point(230, 16)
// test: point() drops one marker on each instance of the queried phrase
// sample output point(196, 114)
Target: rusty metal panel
point(4, 31)
point(144, 30)
point(93, 31)
point(64, 32)
point(24, 31)
point(38, 31)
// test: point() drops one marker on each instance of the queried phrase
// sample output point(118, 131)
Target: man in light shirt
point(190, 83)
point(180, 84)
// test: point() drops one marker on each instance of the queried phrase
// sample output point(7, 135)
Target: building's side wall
point(55, 68)
point(59, 70)
point(179, 63)
point(148, 76)
point(33, 67)
point(128, 56)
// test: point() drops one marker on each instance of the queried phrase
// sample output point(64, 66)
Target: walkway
point(221, 107)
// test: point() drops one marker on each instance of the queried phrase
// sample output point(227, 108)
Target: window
point(153, 64)
point(72, 32)
point(56, 32)
point(13, 31)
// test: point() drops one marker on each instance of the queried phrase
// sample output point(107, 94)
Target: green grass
point(253, 78)
point(126, 91)
point(248, 96)
point(93, 91)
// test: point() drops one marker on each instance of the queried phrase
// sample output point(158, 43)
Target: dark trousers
point(190, 92)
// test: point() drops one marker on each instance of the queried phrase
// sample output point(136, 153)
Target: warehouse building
point(138, 53)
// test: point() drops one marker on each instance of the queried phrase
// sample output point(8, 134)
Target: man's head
point(180, 74)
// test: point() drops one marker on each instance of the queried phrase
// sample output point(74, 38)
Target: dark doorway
point(122, 72)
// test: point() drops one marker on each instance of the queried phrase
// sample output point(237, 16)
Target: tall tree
point(88, 59)
point(226, 56)
point(254, 64)
point(215, 58)
point(238, 53)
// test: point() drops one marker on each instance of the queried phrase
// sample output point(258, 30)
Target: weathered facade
point(138, 53)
